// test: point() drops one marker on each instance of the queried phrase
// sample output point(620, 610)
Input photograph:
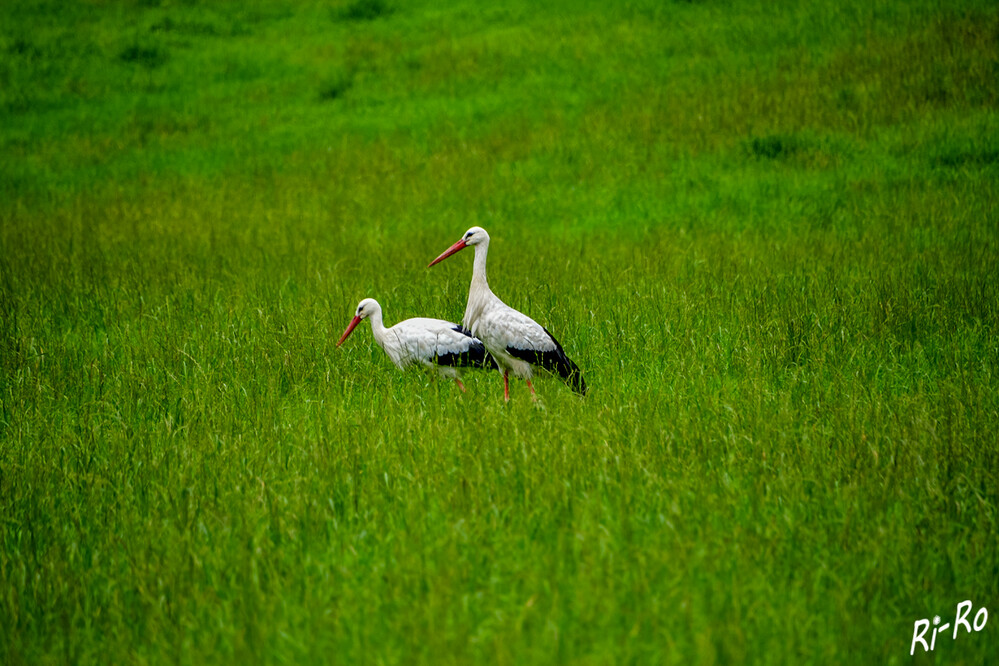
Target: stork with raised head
point(433, 343)
point(516, 342)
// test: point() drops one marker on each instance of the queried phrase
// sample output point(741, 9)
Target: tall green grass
point(767, 233)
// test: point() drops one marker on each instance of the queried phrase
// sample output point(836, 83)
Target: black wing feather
point(554, 361)
point(475, 356)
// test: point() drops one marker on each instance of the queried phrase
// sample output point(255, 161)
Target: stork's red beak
point(460, 245)
point(353, 324)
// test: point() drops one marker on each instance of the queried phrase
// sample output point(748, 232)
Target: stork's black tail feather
point(554, 361)
point(568, 371)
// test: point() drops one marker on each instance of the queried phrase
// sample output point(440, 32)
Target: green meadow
point(766, 231)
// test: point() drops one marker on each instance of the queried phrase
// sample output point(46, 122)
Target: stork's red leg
point(460, 385)
point(506, 386)
point(531, 386)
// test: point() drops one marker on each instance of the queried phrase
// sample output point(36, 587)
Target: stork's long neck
point(479, 266)
point(479, 292)
point(378, 328)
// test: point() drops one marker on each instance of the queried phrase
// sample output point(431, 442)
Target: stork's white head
point(366, 308)
point(474, 236)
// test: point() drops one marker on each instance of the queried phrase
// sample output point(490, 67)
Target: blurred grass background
point(766, 231)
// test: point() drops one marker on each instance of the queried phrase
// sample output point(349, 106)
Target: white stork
point(433, 343)
point(515, 341)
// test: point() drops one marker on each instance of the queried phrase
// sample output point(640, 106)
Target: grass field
point(766, 231)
